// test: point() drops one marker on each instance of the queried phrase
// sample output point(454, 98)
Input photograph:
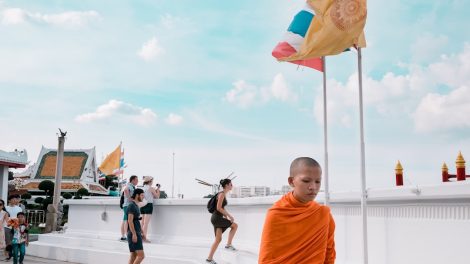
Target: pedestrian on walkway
point(128, 191)
point(221, 220)
point(134, 234)
point(150, 193)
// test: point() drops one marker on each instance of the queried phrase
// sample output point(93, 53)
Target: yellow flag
point(111, 162)
point(337, 26)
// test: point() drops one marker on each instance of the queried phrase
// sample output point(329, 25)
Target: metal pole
point(363, 163)
point(325, 134)
point(58, 175)
point(173, 179)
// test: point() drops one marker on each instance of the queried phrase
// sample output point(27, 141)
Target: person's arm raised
point(155, 193)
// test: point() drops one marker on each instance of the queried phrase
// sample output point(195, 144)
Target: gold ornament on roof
point(444, 167)
point(460, 162)
point(398, 168)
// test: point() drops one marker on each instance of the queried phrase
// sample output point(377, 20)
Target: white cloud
point(245, 95)
point(115, 108)
point(174, 119)
point(150, 50)
point(415, 95)
point(280, 90)
point(13, 16)
point(69, 19)
point(443, 112)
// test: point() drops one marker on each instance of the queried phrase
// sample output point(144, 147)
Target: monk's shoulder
point(324, 211)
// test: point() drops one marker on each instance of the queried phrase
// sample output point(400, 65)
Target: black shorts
point(147, 209)
point(133, 247)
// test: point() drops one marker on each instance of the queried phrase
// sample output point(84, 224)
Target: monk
point(298, 230)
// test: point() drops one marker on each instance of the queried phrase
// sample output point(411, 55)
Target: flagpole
point(325, 134)
point(363, 163)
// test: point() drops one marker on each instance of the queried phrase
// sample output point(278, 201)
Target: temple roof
point(14, 159)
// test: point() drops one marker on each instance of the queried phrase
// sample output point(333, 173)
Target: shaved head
point(301, 163)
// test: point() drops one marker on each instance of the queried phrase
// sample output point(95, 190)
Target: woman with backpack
point(221, 220)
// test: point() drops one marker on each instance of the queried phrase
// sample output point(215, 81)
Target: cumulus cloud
point(114, 108)
point(69, 19)
point(244, 94)
point(443, 112)
point(417, 95)
point(150, 50)
point(174, 119)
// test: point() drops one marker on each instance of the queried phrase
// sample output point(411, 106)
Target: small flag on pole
point(112, 162)
point(294, 38)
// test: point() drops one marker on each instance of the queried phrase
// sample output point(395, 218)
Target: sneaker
point(211, 261)
point(230, 247)
point(123, 239)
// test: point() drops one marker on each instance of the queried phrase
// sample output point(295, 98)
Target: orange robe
point(297, 233)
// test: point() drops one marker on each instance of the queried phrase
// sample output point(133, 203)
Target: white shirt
point(13, 210)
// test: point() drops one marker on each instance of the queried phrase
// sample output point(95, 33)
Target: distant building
point(250, 191)
point(79, 171)
point(284, 189)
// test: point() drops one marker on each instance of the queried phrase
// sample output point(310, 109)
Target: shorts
point(133, 247)
point(125, 213)
point(147, 209)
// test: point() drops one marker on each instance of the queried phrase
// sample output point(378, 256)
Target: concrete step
point(82, 249)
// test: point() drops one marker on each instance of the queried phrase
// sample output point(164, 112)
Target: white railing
point(428, 224)
point(35, 217)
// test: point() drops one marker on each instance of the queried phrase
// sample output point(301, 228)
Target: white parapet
point(417, 224)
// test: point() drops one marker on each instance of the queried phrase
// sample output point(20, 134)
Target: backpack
point(121, 202)
point(212, 204)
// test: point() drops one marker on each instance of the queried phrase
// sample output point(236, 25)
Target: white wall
point(429, 224)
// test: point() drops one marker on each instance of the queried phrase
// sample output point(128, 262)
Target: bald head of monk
point(305, 178)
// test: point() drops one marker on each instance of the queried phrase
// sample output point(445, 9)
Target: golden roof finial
point(460, 162)
point(398, 168)
point(444, 167)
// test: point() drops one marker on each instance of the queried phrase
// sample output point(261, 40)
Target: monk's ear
point(291, 181)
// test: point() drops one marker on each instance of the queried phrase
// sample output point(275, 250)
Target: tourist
point(3, 223)
point(134, 235)
point(150, 193)
point(13, 210)
point(20, 237)
point(297, 229)
point(128, 191)
point(221, 220)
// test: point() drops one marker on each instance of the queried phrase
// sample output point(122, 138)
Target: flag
point(294, 38)
point(337, 26)
point(111, 162)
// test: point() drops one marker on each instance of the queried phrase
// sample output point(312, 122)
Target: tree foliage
point(26, 196)
point(47, 186)
point(67, 196)
point(82, 192)
point(163, 195)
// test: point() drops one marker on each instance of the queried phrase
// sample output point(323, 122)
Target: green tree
point(163, 195)
point(10, 175)
point(26, 196)
point(39, 200)
point(47, 186)
point(46, 202)
point(82, 192)
point(67, 196)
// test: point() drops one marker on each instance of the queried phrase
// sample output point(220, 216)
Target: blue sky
point(199, 80)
